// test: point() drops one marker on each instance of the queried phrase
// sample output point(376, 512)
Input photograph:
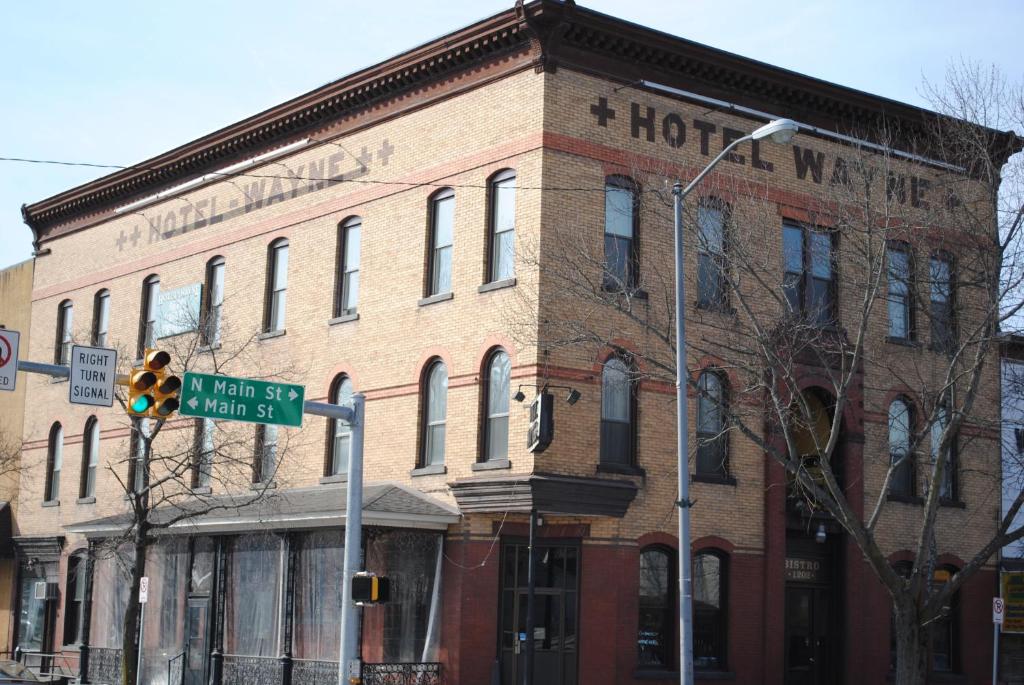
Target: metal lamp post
point(780, 131)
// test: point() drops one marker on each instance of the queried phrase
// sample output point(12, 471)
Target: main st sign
point(210, 396)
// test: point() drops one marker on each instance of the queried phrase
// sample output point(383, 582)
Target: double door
point(810, 644)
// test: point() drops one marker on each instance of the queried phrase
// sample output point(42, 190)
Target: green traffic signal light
point(141, 403)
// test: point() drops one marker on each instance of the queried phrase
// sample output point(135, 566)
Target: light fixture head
point(519, 396)
point(780, 130)
point(573, 397)
point(820, 536)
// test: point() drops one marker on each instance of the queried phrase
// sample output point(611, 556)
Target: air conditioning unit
point(44, 591)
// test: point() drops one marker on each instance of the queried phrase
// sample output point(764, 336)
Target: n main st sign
point(210, 396)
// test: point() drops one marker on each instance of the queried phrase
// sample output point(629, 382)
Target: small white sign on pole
point(93, 372)
point(997, 610)
point(8, 358)
point(143, 589)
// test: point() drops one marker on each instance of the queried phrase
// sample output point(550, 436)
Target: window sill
point(723, 309)
point(627, 469)
point(491, 465)
point(903, 342)
point(52, 503)
point(497, 285)
point(713, 675)
point(202, 490)
point(638, 293)
point(86, 500)
point(262, 485)
point(905, 499)
point(952, 503)
point(206, 349)
point(336, 478)
point(271, 334)
point(344, 318)
point(653, 674)
point(714, 479)
point(432, 470)
point(434, 299)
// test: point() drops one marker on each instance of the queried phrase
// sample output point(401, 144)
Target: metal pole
point(682, 450)
point(531, 587)
point(349, 668)
point(138, 657)
point(995, 652)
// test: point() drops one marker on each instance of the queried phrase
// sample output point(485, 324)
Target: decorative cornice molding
point(548, 494)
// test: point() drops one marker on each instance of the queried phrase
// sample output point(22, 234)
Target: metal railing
point(50, 665)
point(176, 669)
point(402, 674)
point(252, 670)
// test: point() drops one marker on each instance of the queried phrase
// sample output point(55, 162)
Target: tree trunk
point(131, 631)
point(911, 639)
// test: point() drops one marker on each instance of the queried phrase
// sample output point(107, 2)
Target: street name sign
point(93, 372)
point(210, 396)
point(8, 358)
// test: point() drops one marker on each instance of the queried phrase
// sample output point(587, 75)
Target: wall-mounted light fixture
point(572, 397)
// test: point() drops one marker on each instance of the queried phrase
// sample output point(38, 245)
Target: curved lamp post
point(780, 131)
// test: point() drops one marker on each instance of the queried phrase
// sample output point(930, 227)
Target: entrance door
point(555, 609)
point(197, 633)
point(808, 618)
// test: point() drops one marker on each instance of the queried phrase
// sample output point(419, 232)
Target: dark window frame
point(55, 444)
point(606, 458)
point(706, 260)
point(342, 271)
point(137, 455)
point(485, 413)
point(952, 624)
point(330, 460)
point(631, 279)
point(667, 608)
point(100, 310)
point(434, 252)
point(74, 597)
point(492, 273)
point(903, 484)
point(425, 423)
point(805, 277)
point(92, 425)
point(909, 310)
point(721, 629)
point(718, 441)
point(203, 454)
point(213, 301)
point(261, 444)
point(953, 467)
point(65, 333)
point(271, 304)
point(150, 304)
point(943, 333)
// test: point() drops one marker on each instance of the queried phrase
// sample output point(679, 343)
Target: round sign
point(997, 605)
point(5, 351)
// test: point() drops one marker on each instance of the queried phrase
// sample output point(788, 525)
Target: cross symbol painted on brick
point(136, 234)
point(602, 111)
point(121, 240)
point(385, 152)
point(364, 158)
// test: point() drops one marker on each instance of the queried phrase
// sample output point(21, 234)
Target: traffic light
point(542, 422)
point(369, 588)
point(152, 390)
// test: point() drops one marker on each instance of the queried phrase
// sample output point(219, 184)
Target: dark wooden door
point(808, 638)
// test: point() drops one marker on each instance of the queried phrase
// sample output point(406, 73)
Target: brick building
point(394, 233)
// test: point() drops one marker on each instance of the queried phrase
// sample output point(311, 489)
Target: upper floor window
point(712, 439)
point(62, 350)
point(347, 295)
point(900, 456)
point(137, 476)
point(616, 413)
point(265, 456)
point(940, 277)
point(711, 265)
point(101, 318)
point(435, 411)
point(213, 302)
point(339, 431)
point(948, 489)
point(203, 449)
point(503, 226)
point(148, 314)
point(656, 645)
point(54, 463)
point(900, 304)
point(277, 285)
point(809, 280)
point(90, 457)
point(495, 433)
point(620, 218)
point(442, 235)
point(74, 599)
point(709, 610)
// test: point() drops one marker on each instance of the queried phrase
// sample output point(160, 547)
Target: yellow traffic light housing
point(152, 390)
point(369, 588)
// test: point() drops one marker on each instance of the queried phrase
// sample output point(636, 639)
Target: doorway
point(808, 636)
point(555, 610)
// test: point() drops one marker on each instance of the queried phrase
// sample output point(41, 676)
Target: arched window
point(90, 457)
point(74, 598)
point(711, 284)
point(712, 439)
point(339, 432)
point(616, 413)
point(148, 314)
point(435, 411)
point(442, 234)
point(277, 286)
point(948, 487)
point(656, 644)
point(710, 610)
point(54, 463)
point(502, 216)
point(101, 318)
point(213, 303)
point(496, 408)
point(620, 244)
point(62, 350)
point(346, 295)
point(900, 423)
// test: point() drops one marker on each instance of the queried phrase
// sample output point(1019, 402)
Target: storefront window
point(163, 634)
point(32, 617)
point(319, 588)
point(252, 621)
point(110, 591)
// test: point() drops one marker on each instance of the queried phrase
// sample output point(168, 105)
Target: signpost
point(997, 621)
point(211, 396)
point(8, 358)
point(93, 372)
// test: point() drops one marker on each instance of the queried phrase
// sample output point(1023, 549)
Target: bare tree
point(823, 303)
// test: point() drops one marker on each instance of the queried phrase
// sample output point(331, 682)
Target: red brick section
point(470, 608)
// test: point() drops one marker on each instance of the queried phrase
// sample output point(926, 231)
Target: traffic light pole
point(349, 668)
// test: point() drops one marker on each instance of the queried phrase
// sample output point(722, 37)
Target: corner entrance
point(555, 610)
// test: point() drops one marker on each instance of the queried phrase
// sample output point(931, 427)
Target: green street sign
point(209, 396)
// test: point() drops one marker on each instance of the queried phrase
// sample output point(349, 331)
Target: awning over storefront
point(548, 494)
point(384, 504)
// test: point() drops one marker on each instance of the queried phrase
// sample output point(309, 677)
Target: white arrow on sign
point(192, 403)
point(292, 395)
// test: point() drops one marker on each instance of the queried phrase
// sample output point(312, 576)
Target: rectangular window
point(56, 458)
point(277, 286)
point(93, 445)
point(711, 285)
point(503, 224)
point(948, 484)
point(149, 315)
point(941, 295)
point(204, 450)
point(348, 270)
point(214, 301)
point(101, 319)
point(74, 600)
point(442, 231)
point(265, 458)
point(65, 315)
point(899, 293)
point(619, 235)
point(808, 280)
point(138, 463)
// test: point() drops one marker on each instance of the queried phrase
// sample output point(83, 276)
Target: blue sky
point(117, 82)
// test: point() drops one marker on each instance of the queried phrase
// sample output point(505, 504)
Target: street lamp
point(779, 131)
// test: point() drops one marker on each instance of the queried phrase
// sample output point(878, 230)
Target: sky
point(114, 82)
